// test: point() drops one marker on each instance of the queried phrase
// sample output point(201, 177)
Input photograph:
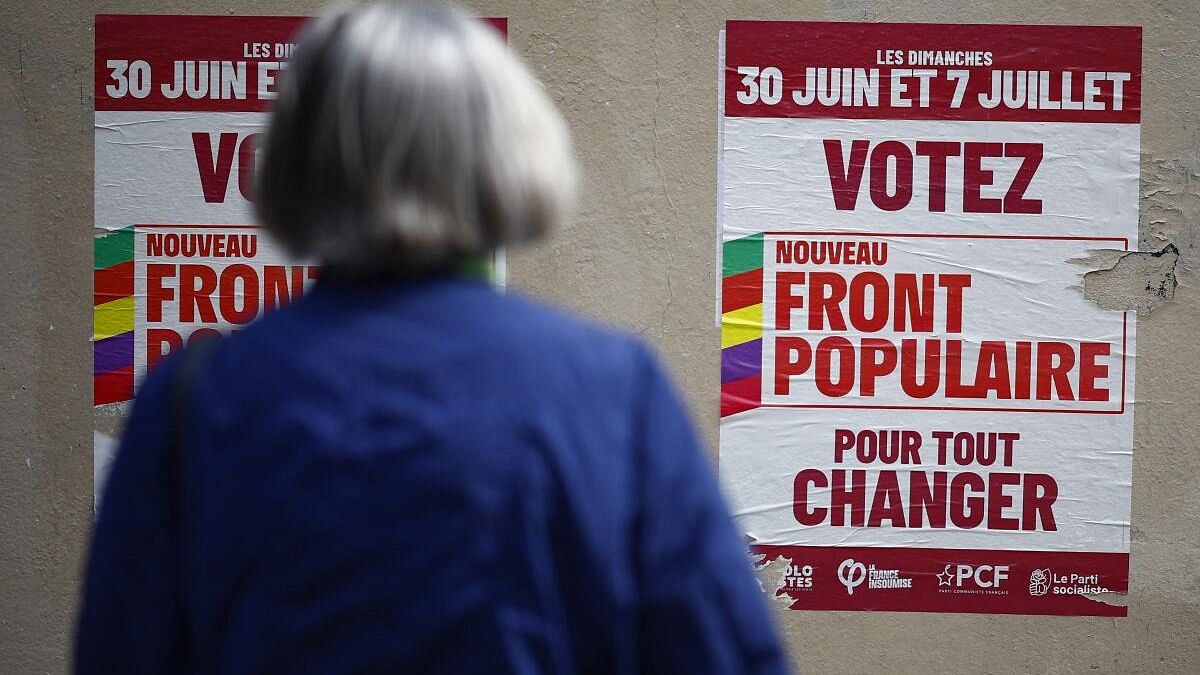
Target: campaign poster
point(181, 103)
point(920, 410)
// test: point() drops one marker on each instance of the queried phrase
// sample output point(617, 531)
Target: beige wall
point(637, 81)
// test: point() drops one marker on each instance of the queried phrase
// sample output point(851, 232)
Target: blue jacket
point(422, 477)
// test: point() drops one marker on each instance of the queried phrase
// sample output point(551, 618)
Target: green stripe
point(478, 268)
point(113, 249)
point(742, 255)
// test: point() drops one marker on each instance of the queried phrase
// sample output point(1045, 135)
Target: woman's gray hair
point(407, 138)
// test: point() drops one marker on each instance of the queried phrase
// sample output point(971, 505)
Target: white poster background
point(772, 177)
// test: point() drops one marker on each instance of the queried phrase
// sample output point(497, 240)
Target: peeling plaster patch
point(110, 418)
point(1171, 204)
point(771, 575)
point(1140, 281)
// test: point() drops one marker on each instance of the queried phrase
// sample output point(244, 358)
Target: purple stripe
point(112, 353)
point(741, 361)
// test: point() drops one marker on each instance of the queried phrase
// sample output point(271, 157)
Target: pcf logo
point(972, 576)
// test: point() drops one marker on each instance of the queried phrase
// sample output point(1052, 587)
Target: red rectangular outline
point(117, 386)
point(183, 226)
point(835, 233)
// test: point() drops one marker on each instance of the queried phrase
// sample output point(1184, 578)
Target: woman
point(406, 471)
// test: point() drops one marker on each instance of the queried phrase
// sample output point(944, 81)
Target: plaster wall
point(637, 82)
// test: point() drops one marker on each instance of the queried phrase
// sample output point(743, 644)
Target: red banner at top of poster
point(195, 63)
point(933, 71)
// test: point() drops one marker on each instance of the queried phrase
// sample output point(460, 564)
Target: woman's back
point(422, 476)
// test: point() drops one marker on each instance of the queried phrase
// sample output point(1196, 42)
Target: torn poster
point(920, 411)
point(181, 102)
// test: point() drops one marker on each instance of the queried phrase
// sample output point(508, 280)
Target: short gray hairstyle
point(407, 138)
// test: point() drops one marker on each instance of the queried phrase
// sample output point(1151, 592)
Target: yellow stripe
point(741, 325)
point(112, 318)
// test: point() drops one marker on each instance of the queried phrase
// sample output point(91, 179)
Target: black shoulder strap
point(192, 360)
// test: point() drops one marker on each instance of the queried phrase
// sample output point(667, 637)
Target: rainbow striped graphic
point(112, 317)
point(741, 324)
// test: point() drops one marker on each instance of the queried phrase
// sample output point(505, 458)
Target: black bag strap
point(191, 362)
